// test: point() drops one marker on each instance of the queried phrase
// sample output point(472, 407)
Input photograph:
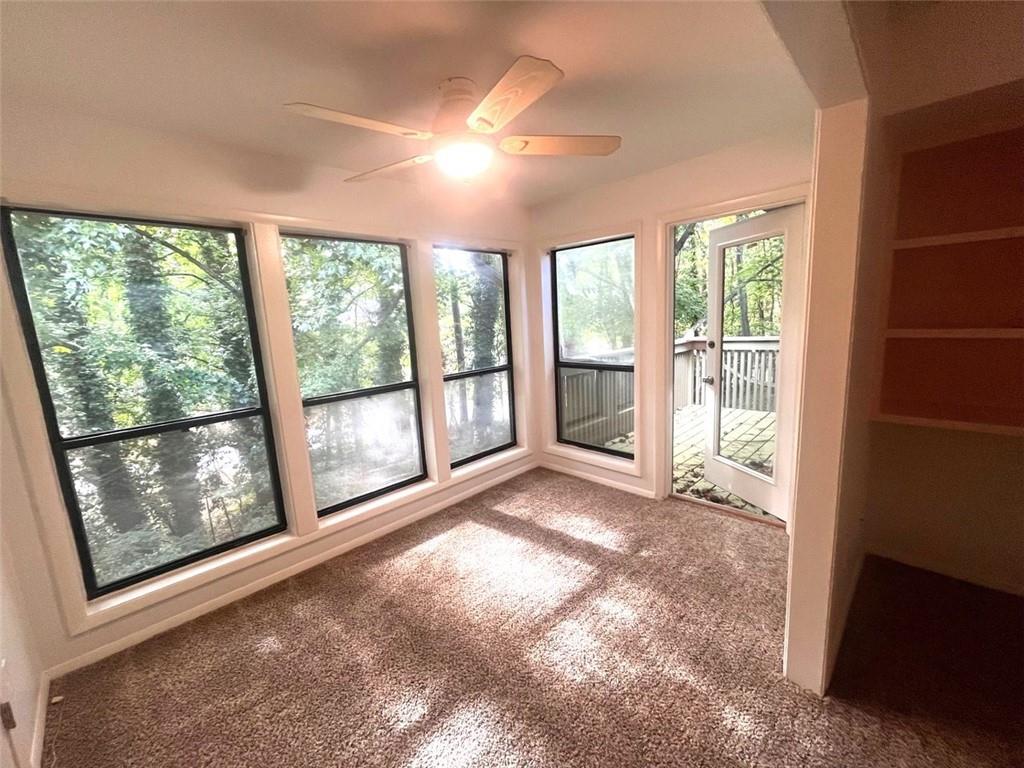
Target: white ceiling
point(675, 80)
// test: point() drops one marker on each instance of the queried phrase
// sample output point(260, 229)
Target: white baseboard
point(109, 649)
point(39, 721)
point(554, 466)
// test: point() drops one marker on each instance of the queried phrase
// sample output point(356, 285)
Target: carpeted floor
point(545, 622)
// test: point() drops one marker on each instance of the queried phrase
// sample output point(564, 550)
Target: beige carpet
point(545, 622)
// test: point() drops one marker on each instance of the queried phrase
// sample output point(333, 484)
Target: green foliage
point(351, 332)
point(596, 301)
point(140, 324)
point(77, 272)
point(470, 309)
point(752, 282)
point(471, 317)
point(348, 311)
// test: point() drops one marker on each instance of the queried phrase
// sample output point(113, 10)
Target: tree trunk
point(82, 379)
point(741, 295)
point(390, 332)
point(176, 457)
point(460, 348)
point(486, 295)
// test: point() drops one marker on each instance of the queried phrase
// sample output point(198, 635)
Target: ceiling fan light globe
point(464, 159)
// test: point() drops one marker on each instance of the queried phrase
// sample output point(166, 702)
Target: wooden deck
point(748, 437)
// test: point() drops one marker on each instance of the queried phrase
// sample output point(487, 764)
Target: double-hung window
point(146, 355)
point(352, 327)
point(593, 310)
point(472, 310)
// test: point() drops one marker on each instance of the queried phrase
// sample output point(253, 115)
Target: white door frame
point(769, 493)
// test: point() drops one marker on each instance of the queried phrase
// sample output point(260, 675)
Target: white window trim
point(549, 430)
point(666, 222)
point(285, 406)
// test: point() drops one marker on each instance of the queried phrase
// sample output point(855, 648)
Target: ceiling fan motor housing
point(458, 100)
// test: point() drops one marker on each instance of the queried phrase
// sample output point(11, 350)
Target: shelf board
point(955, 333)
point(963, 426)
point(959, 237)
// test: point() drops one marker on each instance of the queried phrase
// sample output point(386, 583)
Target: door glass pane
point(470, 309)
point(478, 414)
point(348, 310)
point(137, 323)
point(362, 444)
point(597, 408)
point(594, 290)
point(751, 323)
point(149, 501)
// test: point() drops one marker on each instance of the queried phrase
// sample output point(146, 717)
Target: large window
point(357, 366)
point(472, 310)
point(593, 309)
point(146, 356)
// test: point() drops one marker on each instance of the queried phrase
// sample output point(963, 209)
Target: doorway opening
point(727, 331)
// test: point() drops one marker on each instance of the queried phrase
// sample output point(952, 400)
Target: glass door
point(743, 379)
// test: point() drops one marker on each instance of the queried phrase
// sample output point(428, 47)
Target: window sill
point(125, 602)
point(594, 458)
point(488, 463)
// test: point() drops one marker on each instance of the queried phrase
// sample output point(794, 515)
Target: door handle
point(708, 379)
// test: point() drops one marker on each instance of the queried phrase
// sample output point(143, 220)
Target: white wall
point(945, 500)
point(918, 53)
point(950, 502)
point(21, 680)
point(734, 179)
point(89, 164)
point(856, 482)
point(88, 161)
point(814, 544)
point(82, 163)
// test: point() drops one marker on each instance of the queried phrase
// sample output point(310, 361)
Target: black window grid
point(578, 364)
point(506, 367)
point(355, 394)
point(60, 445)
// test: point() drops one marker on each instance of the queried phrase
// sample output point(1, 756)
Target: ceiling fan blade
point(560, 145)
point(323, 113)
point(391, 167)
point(525, 81)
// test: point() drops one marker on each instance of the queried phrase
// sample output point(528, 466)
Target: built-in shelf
point(955, 333)
point(959, 237)
point(963, 426)
point(953, 351)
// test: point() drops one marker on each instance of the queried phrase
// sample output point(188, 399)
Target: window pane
point(149, 501)
point(597, 408)
point(595, 302)
point(470, 308)
point(363, 444)
point(478, 411)
point(751, 324)
point(137, 323)
point(348, 314)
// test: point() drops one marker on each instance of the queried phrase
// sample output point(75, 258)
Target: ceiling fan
point(461, 138)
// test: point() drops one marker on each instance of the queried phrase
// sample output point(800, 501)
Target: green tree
point(146, 292)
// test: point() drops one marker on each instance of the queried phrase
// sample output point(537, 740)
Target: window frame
point(59, 445)
point(506, 367)
point(586, 366)
point(413, 383)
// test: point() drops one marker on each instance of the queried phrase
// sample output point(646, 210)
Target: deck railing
point(597, 406)
point(749, 372)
